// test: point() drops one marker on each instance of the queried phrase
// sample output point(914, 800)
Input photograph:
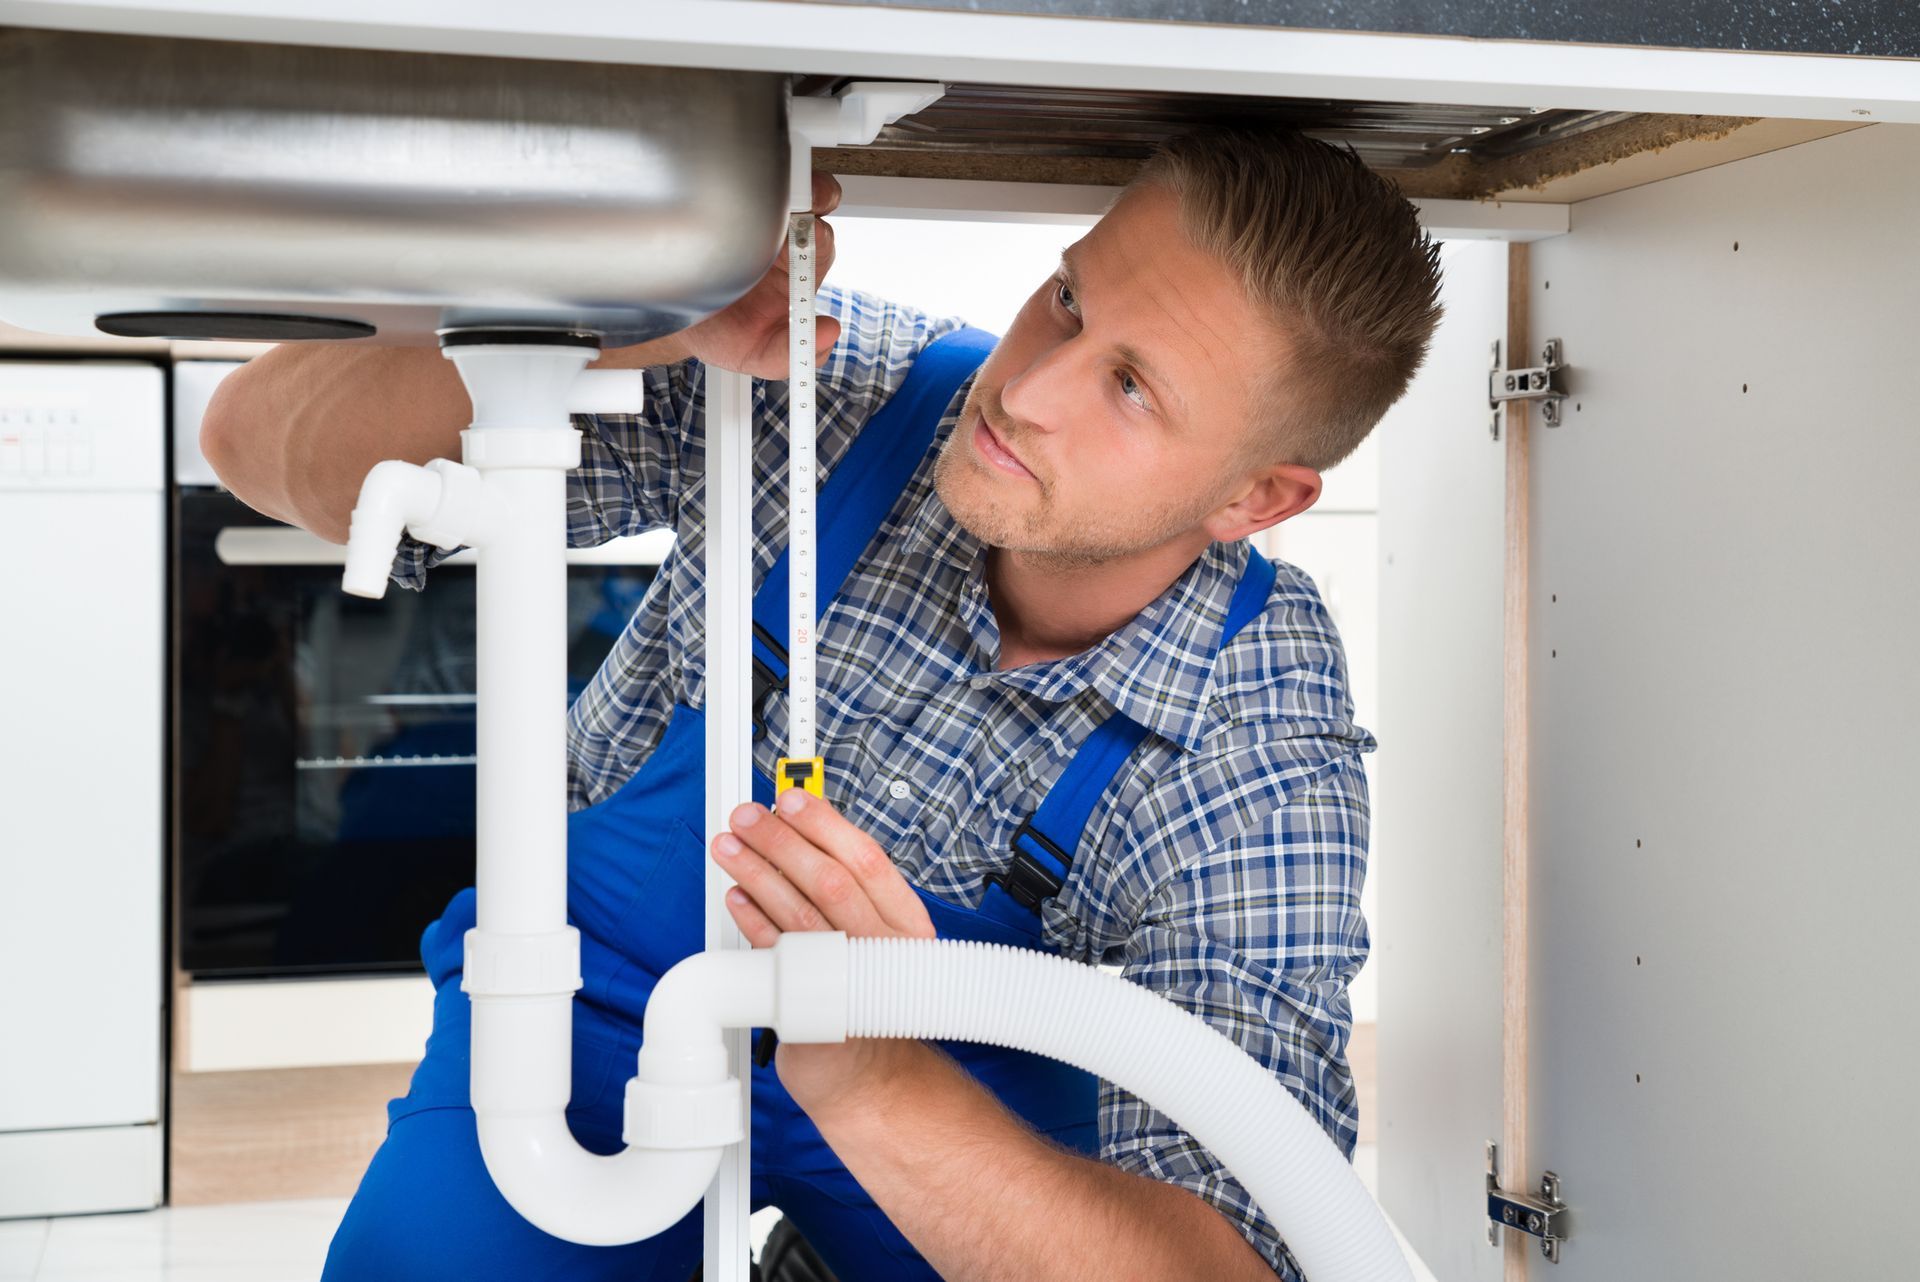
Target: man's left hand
point(803, 866)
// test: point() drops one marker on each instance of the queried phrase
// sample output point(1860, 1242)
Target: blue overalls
point(636, 885)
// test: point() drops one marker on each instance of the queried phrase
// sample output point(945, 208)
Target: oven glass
point(324, 781)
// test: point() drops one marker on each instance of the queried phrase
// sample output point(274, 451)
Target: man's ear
point(1276, 493)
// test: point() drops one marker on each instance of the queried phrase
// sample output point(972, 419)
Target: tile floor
point(250, 1242)
point(246, 1242)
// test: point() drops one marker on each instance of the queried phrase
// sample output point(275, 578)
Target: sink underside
point(215, 189)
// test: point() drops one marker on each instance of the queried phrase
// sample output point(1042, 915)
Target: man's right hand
point(750, 335)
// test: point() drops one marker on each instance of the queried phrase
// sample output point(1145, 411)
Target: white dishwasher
point(82, 837)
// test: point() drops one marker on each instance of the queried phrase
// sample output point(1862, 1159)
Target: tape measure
point(801, 767)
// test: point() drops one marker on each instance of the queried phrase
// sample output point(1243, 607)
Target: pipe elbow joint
point(444, 503)
point(393, 494)
point(798, 988)
point(681, 1096)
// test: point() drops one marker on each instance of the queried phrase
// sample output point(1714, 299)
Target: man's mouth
point(995, 451)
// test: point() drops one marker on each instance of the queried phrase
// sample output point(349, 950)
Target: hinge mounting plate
point(1541, 1215)
point(1543, 383)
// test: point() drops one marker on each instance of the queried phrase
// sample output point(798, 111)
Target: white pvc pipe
point(798, 988)
point(608, 391)
point(682, 1106)
point(522, 957)
point(693, 1005)
point(683, 1109)
point(728, 704)
point(520, 780)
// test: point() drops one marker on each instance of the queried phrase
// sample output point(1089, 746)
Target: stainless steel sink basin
point(197, 188)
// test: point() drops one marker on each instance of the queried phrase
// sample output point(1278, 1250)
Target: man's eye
point(1064, 292)
point(1131, 389)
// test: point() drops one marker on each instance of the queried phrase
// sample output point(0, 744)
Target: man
point(1070, 550)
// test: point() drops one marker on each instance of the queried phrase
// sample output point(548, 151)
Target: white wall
point(980, 271)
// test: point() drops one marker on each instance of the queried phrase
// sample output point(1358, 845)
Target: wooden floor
point(275, 1134)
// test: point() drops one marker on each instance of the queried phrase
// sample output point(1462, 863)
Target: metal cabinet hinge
point(1543, 1215)
point(1542, 383)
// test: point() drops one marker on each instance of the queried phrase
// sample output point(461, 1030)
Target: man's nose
point(1044, 394)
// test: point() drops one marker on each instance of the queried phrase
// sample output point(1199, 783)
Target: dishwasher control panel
point(82, 425)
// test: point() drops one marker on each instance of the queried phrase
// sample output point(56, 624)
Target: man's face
point(1110, 418)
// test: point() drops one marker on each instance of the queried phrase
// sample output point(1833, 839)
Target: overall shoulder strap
point(1044, 846)
point(861, 491)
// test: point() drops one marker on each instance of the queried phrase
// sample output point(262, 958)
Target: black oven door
point(323, 764)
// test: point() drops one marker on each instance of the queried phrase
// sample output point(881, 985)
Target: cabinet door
point(1437, 823)
point(1724, 607)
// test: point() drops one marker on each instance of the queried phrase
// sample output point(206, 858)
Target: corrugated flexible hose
point(1140, 1042)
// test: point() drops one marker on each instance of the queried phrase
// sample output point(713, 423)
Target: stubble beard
point(1039, 534)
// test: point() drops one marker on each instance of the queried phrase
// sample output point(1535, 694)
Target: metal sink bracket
point(852, 117)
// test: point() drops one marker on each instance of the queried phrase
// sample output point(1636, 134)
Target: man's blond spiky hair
point(1333, 254)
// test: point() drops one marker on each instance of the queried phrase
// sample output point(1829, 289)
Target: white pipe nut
point(464, 514)
point(661, 1116)
point(810, 986)
point(557, 448)
point(501, 965)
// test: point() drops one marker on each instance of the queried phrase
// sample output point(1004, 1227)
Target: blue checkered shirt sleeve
point(1259, 936)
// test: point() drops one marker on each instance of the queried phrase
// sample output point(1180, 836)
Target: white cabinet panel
point(1437, 819)
point(1725, 694)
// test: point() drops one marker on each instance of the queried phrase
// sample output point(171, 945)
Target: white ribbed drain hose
point(1140, 1042)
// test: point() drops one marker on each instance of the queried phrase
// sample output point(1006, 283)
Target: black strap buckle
point(765, 682)
point(1027, 881)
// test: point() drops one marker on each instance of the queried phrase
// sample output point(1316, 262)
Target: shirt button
point(899, 789)
point(980, 683)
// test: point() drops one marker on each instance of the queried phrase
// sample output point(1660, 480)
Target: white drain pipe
point(508, 502)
